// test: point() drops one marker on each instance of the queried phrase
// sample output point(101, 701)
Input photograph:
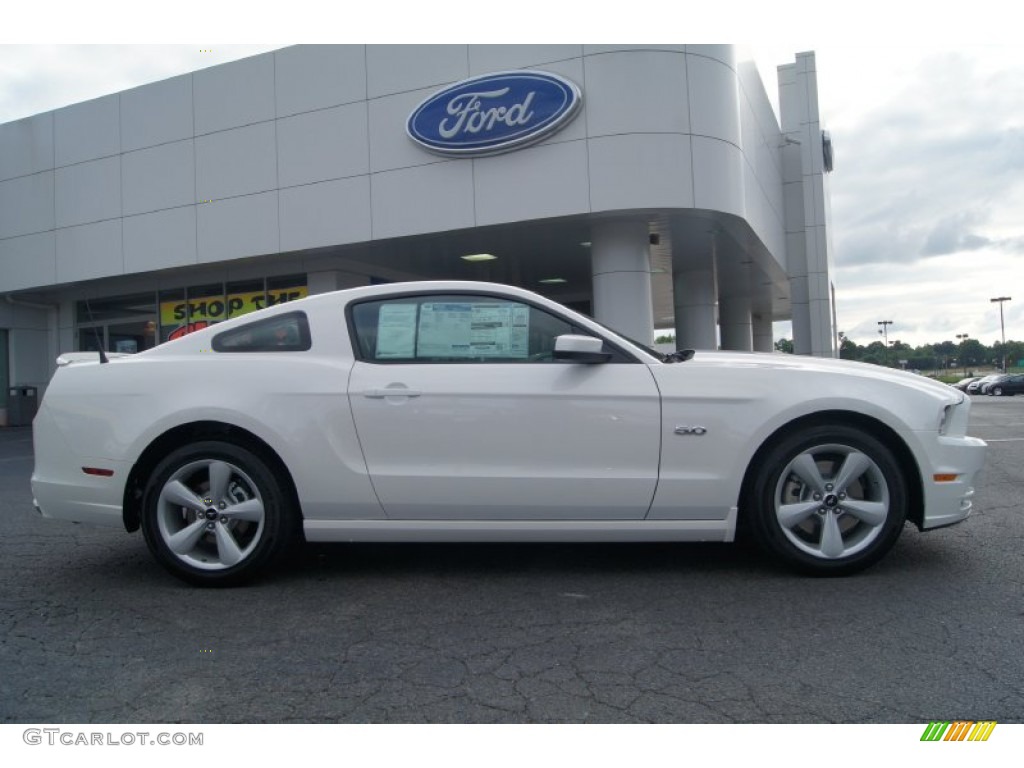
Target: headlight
point(945, 417)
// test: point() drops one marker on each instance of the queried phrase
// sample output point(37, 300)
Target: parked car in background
point(962, 384)
point(465, 411)
point(1007, 384)
point(974, 388)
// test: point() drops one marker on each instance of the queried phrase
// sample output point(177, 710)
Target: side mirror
point(580, 349)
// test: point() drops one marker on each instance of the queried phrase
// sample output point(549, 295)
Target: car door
point(463, 413)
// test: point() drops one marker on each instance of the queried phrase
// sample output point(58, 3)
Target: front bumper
point(948, 502)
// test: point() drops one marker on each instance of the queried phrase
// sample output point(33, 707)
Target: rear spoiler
point(70, 358)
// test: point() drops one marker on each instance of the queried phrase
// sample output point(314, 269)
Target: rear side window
point(281, 333)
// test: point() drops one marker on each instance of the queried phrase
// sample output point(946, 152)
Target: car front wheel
point(215, 514)
point(997, 391)
point(829, 500)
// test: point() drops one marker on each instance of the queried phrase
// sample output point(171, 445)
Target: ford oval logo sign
point(494, 113)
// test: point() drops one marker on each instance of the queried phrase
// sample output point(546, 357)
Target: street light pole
point(963, 351)
point(1002, 326)
point(884, 330)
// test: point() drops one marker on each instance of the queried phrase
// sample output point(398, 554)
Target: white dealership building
point(660, 191)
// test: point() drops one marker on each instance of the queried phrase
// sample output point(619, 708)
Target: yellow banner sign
point(213, 309)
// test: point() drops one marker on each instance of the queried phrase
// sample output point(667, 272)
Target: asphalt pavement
point(92, 630)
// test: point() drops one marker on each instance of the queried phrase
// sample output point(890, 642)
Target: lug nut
point(829, 486)
point(209, 526)
point(817, 497)
point(222, 505)
point(224, 521)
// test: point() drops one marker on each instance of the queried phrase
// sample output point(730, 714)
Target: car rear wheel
point(215, 514)
point(830, 500)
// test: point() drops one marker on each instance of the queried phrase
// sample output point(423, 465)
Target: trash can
point(22, 403)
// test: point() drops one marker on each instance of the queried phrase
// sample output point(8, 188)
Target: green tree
point(848, 349)
point(784, 345)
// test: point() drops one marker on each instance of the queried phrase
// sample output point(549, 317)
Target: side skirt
point(521, 530)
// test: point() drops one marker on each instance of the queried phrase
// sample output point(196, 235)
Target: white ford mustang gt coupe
point(457, 411)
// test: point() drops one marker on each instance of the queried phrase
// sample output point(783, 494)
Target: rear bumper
point(60, 488)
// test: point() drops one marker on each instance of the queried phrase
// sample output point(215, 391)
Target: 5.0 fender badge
point(688, 430)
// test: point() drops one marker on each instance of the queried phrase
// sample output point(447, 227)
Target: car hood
point(787, 364)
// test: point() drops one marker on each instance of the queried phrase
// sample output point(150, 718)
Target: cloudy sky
point(927, 120)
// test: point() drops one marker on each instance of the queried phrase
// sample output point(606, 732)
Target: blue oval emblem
point(494, 113)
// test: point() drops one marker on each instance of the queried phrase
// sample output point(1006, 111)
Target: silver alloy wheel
point(831, 501)
point(997, 391)
point(210, 514)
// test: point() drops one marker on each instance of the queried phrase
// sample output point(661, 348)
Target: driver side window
point(455, 329)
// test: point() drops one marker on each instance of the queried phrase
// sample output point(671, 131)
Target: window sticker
point(396, 331)
point(473, 330)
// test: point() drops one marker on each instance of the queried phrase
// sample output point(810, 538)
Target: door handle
point(377, 394)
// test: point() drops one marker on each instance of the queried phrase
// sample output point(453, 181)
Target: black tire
point(997, 391)
point(799, 477)
point(215, 514)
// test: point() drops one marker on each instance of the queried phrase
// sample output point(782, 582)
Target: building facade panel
point(28, 261)
point(237, 227)
point(591, 49)
point(394, 69)
point(87, 131)
point(26, 146)
point(714, 100)
point(242, 161)
point(160, 240)
point(636, 92)
point(534, 183)
point(88, 192)
point(325, 214)
point(718, 176)
point(233, 95)
point(498, 58)
point(26, 205)
point(649, 171)
point(311, 77)
point(89, 251)
point(157, 114)
point(722, 52)
point(159, 177)
point(428, 198)
point(326, 144)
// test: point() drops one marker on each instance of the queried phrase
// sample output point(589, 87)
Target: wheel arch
point(874, 427)
point(185, 434)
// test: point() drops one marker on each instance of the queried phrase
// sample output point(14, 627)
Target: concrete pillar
point(621, 269)
point(761, 324)
point(694, 291)
point(735, 324)
point(801, 313)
